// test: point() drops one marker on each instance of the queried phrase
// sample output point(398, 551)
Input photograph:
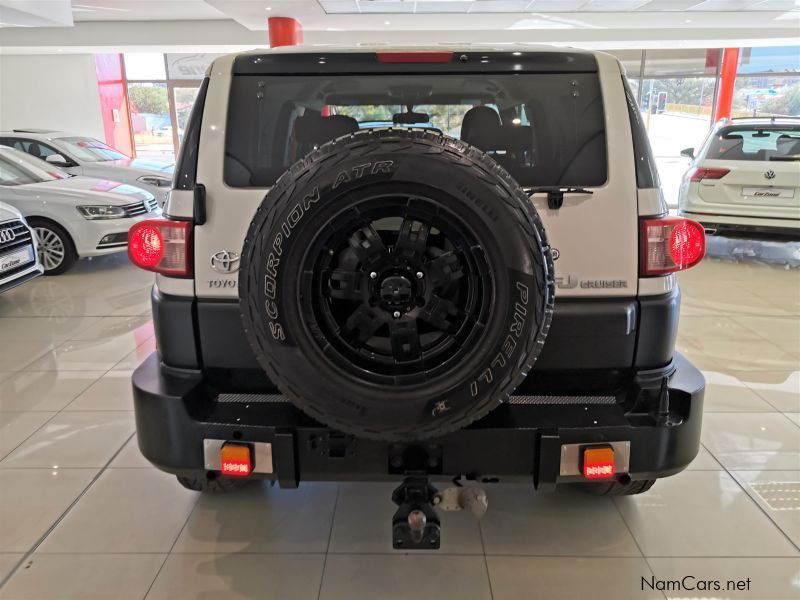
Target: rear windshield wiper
point(785, 158)
point(555, 194)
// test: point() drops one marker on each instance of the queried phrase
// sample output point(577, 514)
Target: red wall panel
point(114, 102)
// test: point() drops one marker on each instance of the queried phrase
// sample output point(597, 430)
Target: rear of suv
point(745, 178)
point(484, 290)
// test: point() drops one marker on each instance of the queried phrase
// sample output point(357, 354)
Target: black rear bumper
point(586, 334)
point(177, 411)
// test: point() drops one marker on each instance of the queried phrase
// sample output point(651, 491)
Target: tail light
point(414, 57)
point(671, 244)
point(162, 246)
point(701, 173)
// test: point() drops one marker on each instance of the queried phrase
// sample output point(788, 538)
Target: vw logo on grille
point(225, 261)
point(769, 175)
point(7, 235)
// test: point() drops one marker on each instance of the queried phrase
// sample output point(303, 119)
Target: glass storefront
point(150, 119)
point(768, 82)
point(161, 92)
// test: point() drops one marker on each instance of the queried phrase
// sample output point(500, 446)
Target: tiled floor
point(83, 515)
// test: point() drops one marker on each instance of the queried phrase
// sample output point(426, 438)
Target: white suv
point(81, 155)
point(485, 290)
point(18, 258)
point(745, 177)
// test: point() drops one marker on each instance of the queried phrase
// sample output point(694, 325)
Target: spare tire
point(396, 285)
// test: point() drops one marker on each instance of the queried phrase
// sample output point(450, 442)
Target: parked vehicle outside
point(72, 216)
point(745, 178)
point(19, 261)
point(81, 155)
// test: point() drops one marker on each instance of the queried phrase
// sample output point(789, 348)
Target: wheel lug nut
point(396, 314)
point(419, 275)
point(373, 275)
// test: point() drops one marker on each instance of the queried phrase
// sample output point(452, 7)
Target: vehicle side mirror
point(57, 160)
point(688, 152)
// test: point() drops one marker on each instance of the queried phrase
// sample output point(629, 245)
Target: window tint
point(754, 143)
point(186, 169)
point(646, 170)
point(545, 129)
point(32, 147)
point(89, 149)
point(17, 168)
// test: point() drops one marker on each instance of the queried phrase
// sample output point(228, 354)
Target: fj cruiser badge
point(569, 282)
point(225, 261)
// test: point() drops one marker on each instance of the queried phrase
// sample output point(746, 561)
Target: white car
point(81, 155)
point(18, 257)
point(745, 177)
point(72, 216)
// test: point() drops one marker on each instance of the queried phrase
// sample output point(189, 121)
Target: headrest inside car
point(482, 128)
point(788, 145)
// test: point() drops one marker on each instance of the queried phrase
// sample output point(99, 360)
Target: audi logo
point(7, 235)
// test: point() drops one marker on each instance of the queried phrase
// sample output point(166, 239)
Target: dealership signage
point(188, 66)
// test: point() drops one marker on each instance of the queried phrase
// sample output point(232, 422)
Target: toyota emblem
point(7, 235)
point(225, 261)
point(769, 174)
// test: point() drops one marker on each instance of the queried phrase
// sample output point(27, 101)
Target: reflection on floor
point(753, 250)
point(83, 515)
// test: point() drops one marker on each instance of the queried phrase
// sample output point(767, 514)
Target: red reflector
point(700, 173)
point(670, 245)
point(236, 460)
point(598, 463)
point(162, 246)
point(414, 57)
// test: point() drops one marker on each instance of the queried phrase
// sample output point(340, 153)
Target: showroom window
point(768, 82)
point(161, 91)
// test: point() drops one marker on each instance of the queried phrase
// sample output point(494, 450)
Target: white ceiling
point(218, 25)
point(35, 13)
point(143, 10)
point(548, 6)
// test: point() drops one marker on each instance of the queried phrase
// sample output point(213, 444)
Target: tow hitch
point(416, 525)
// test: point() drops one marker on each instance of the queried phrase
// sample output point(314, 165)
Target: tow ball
point(416, 524)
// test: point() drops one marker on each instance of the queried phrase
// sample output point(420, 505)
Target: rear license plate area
point(767, 192)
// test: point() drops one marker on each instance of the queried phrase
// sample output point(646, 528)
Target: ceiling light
point(517, 53)
point(387, 22)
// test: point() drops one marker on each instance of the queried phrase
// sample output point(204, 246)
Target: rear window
point(546, 129)
point(749, 142)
